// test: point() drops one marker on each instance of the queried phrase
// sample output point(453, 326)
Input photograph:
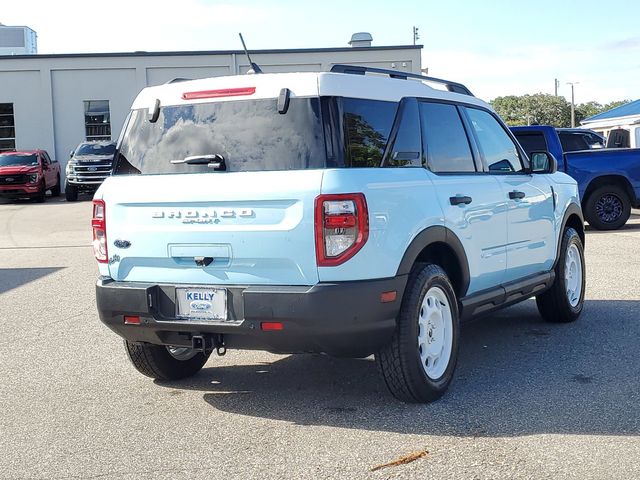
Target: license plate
point(205, 304)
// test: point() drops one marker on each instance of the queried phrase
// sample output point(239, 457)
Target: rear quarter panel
point(401, 203)
point(588, 165)
point(566, 193)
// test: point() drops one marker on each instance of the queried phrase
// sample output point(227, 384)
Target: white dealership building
point(54, 102)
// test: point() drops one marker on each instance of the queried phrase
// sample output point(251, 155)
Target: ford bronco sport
point(352, 212)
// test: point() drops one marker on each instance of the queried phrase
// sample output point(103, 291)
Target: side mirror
point(71, 154)
point(543, 162)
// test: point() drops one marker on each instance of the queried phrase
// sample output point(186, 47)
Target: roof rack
point(362, 70)
point(178, 80)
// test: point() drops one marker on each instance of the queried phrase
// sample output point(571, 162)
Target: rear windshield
point(96, 149)
point(18, 159)
point(249, 135)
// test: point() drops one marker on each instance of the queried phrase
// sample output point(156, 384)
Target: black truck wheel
point(418, 364)
point(56, 189)
point(42, 193)
point(165, 363)
point(70, 193)
point(607, 207)
point(564, 301)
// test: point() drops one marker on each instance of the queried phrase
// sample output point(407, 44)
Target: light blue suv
point(352, 212)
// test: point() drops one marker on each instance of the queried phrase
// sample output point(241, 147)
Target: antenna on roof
point(254, 66)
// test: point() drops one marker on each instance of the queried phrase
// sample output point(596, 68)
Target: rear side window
point(573, 142)
point(367, 124)
point(407, 148)
point(496, 146)
point(446, 143)
point(532, 142)
point(250, 135)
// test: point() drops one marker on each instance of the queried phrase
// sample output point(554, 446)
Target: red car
point(28, 173)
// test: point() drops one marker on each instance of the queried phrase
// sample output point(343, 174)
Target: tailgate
point(237, 228)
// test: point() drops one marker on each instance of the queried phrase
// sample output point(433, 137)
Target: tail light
point(99, 227)
point(224, 92)
point(342, 227)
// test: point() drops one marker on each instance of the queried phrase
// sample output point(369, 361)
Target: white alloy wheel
point(573, 275)
point(435, 336)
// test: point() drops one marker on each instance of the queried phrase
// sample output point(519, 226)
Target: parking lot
point(529, 400)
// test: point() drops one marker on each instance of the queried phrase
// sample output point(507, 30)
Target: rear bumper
point(342, 319)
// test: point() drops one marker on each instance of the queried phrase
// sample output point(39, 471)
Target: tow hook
point(221, 350)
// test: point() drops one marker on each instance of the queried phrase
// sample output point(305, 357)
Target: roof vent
point(361, 39)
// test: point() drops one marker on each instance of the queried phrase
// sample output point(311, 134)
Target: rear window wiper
point(212, 161)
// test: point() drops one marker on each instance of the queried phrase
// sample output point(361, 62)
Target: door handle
point(460, 199)
point(516, 195)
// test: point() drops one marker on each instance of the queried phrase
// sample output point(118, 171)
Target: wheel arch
point(439, 245)
point(613, 179)
point(572, 218)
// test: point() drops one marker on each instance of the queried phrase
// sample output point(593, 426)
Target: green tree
point(540, 108)
point(615, 104)
point(588, 109)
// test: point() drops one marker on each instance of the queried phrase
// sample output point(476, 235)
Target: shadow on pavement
point(628, 227)
point(516, 376)
point(11, 278)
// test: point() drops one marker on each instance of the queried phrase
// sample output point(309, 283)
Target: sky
point(495, 47)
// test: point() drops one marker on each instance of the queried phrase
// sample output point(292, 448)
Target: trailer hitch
point(205, 344)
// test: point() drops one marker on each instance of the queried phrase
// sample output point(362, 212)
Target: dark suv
point(89, 165)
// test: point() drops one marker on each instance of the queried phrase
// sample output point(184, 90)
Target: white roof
point(268, 85)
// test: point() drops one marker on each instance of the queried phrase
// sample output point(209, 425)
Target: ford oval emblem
point(122, 243)
point(200, 305)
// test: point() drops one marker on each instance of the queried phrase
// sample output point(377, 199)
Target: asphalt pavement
point(529, 399)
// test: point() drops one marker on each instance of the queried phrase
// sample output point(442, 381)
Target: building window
point(97, 120)
point(7, 128)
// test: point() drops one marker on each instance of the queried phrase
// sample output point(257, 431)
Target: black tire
point(607, 207)
point(70, 193)
point(155, 361)
point(42, 194)
point(554, 304)
point(55, 191)
point(400, 361)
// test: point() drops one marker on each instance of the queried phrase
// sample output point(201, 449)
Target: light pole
point(573, 104)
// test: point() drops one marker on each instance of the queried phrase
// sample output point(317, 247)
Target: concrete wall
point(48, 91)
point(27, 90)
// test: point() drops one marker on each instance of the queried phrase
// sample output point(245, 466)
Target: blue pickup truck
point(608, 179)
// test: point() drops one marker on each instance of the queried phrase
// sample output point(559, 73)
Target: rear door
point(47, 170)
point(473, 204)
point(531, 235)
